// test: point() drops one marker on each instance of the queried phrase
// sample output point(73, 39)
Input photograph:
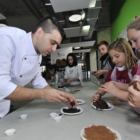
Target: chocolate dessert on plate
point(101, 104)
point(71, 110)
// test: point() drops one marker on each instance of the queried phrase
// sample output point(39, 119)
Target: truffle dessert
point(71, 110)
point(101, 104)
point(99, 133)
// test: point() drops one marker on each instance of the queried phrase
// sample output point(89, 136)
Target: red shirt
point(122, 76)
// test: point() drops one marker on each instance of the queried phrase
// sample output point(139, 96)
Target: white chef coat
point(73, 72)
point(19, 64)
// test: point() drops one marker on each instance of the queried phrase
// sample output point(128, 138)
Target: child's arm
point(97, 95)
point(121, 86)
point(100, 72)
point(101, 90)
point(114, 90)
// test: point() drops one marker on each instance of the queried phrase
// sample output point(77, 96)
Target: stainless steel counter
point(40, 126)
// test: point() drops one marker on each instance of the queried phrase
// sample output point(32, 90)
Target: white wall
point(93, 64)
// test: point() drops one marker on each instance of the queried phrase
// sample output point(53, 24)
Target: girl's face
point(134, 37)
point(70, 60)
point(102, 49)
point(118, 58)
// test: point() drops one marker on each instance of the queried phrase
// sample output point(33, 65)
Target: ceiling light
point(83, 15)
point(76, 48)
point(48, 4)
point(75, 18)
point(86, 28)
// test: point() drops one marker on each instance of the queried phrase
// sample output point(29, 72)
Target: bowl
point(10, 132)
point(23, 116)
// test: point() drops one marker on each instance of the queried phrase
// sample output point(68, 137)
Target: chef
point(20, 58)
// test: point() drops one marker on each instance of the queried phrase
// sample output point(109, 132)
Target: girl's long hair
point(122, 45)
point(74, 60)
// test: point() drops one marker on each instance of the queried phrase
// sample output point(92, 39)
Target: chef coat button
point(20, 75)
point(25, 58)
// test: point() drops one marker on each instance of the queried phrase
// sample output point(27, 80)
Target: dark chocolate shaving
point(101, 104)
point(71, 110)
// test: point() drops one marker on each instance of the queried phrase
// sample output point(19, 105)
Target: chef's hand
point(53, 95)
point(134, 95)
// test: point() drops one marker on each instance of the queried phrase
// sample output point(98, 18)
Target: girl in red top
point(125, 68)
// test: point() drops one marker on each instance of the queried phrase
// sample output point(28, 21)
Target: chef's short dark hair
point(48, 24)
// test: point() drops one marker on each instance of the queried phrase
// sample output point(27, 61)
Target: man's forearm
point(47, 87)
point(21, 93)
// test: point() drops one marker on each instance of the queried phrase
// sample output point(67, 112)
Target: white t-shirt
point(73, 72)
point(19, 64)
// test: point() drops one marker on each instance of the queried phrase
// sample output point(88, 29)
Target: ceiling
point(96, 17)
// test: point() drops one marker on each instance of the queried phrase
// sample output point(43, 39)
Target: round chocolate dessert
point(101, 104)
point(71, 110)
point(99, 133)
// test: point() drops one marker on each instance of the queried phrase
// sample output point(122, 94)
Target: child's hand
point(69, 80)
point(93, 72)
point(96, 97)
point(134, 96)
point(101, 90)
point(98, 73)
point(109, 87)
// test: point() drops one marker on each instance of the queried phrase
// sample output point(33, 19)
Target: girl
point(125, 68)
point(133, 33)
point(73, 73)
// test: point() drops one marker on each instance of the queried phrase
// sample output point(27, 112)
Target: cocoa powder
point(99, 133)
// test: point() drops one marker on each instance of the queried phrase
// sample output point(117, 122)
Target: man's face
point(134, 37)
point(47, 42)
point(102, 49)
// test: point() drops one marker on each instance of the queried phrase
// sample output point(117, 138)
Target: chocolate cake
point(101, 104)
point(99, 133)
point(71, 110)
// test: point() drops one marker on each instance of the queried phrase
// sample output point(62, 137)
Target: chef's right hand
point(56, 96)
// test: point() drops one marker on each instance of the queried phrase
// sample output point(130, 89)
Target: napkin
point(56, 117)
